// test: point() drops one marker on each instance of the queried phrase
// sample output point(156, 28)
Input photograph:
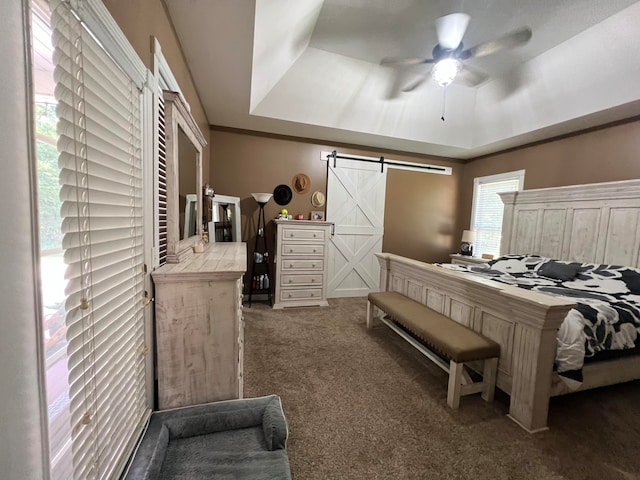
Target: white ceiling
point(310, 68)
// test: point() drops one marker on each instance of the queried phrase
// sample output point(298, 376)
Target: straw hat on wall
point(301, 183)
point(317, 199)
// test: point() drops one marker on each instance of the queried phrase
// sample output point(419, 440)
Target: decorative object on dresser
point(199, 326)
point(466, 247)
point(301, 263)
point(316, 215)
point(260, 279)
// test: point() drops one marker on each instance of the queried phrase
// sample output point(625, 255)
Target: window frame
point(488, 179)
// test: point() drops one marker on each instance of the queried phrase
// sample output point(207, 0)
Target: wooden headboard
point(593, 223)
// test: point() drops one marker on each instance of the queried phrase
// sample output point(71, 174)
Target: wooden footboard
point(523, 322)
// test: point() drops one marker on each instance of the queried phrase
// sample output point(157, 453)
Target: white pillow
point(510, 265)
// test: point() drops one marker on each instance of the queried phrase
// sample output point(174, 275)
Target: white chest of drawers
point(301, 263)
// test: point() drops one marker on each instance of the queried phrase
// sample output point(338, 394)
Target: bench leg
point(489, 378)
point(370, 308)
point(455, 384)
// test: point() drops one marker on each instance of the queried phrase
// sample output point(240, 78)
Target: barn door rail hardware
point(335, 156)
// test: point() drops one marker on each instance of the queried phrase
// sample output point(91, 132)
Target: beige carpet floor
point(364, 405)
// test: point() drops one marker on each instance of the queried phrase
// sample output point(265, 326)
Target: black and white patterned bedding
point(606, 318)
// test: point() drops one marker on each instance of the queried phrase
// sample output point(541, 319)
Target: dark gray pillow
point(632, 279)
point(559, 270)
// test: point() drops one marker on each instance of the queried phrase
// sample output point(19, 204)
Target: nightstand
point(458, 259)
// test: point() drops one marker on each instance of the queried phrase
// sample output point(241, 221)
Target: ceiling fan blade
point(405, 61)
point(451, 29)
point(397, 79)
point(514, 39)
point(471, 77)
point(416, 83)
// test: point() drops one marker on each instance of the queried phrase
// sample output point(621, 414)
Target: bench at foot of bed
point(426, 329)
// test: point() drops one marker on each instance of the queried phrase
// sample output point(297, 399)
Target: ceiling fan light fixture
point(445, 71)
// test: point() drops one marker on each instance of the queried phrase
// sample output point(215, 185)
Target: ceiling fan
point(449, 53)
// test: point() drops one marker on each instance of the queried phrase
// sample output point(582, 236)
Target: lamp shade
point(262, 197)
point(469, 236)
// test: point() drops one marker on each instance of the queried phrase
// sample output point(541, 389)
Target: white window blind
point(99, 128)
point(488, 208)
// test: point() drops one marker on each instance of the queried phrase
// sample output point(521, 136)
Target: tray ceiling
point(311, 69)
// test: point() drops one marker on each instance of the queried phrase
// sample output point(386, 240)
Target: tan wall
point(603, 155)
point(420, 214)
point(140, 20)
point(424, 214)
point(420, 211)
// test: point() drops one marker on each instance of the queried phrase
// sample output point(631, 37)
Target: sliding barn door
point(355, 204)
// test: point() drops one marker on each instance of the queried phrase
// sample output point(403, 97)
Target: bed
point(596, 224)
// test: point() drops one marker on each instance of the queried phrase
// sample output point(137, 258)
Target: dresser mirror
point(184, 143)
point(188, 186)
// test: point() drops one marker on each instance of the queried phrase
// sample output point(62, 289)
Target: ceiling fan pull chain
point(444, 100)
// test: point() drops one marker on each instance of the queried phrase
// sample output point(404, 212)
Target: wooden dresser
point(301, 263)
point(199, 326)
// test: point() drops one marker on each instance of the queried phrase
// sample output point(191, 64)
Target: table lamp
point(466, 247)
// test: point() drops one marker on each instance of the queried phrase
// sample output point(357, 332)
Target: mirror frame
point(177, 116)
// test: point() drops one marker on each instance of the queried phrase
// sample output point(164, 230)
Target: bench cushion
point(454, 340)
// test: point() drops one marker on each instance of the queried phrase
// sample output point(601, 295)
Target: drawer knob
point(314, 250)
point(291, 250)
point(313, 280)
point(289, 295)
point(291, 234)
point(313, 265)
point(314, 235)
point(289, 280)
point(312, 294)
point(291, 266)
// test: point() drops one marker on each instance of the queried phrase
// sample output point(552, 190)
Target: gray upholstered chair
point(243, 439)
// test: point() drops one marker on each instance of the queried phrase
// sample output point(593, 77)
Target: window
point(90, 169)
point(52, 266)
point(486, 215)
